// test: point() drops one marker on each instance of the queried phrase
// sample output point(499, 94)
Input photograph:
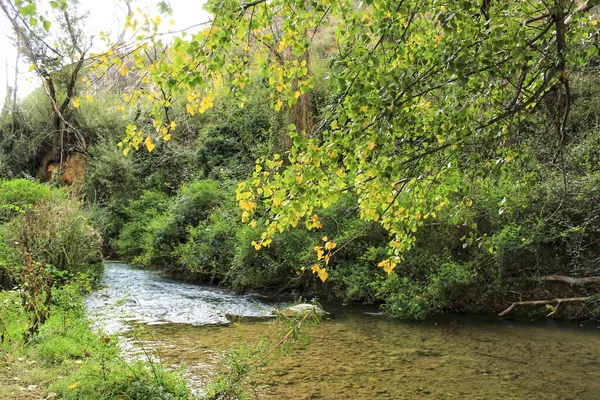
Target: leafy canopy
point(429, 97)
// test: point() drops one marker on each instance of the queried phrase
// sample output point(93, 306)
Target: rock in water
point(301, 309)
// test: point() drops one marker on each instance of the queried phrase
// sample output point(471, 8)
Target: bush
point(139, 213)
point(158, 224)
point(57, 231)
point(211, 246)
point(19, 195)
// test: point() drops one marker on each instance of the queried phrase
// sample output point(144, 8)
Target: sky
point(105, 15)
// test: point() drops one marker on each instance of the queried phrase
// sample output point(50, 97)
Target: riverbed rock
point(301, 309)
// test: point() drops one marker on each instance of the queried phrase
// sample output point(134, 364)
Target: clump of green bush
point(48, 225)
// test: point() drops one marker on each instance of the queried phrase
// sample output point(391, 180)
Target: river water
point(355, 353)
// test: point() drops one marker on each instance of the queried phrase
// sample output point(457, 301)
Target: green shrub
point(57, 230)
point(210, 248)
point(18, 195)
point(139, 214)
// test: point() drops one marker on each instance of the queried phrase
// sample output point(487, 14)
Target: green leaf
point(33, 21)
point(53, 4)
point(47, 25)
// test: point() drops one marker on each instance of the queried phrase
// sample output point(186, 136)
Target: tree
point(57, 63)
point(431, 97)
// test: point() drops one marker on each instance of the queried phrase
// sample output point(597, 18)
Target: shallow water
point(137, 295)
point(354, 354)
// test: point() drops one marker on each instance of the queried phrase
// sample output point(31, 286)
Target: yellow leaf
point(205, 104)
point(257, 246)
point(297, 94)
point(167, 137)
point(278, 105)
point(190, 109)
point(387, 266)
point(103, 59)
point(76, 102)
point(324, 238)
point(123, 71)
point(149, 144)
point(323, 275)
point(253, 223)
point(89, 98)
point(126, 151)
point(315, 268)
point(32, 67)
point(320, 252)
point(173, 125)
point(242, 84)
point(299, 179)
point(84, 79)
point(594, 22)
point(363, 108)
point(371, 145)
point(73, 386)
point(330, 245)
point(334, 125)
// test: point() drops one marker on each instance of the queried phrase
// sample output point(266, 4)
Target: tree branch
point(544, 302)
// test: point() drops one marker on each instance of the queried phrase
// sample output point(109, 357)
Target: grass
point(66, 359)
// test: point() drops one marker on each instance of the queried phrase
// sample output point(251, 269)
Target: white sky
point(105, 15)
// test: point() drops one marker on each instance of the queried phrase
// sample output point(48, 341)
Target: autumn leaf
point(320, 252)
point(323, 275)
point(149, 144)
point(76, 102)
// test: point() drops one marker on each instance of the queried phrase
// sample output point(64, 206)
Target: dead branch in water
point(544, 302)
point(573, 281)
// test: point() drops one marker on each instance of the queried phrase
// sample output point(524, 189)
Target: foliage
point(19, 195)
point(109, 176)
point(235, 137)
point(158, 224)
point(49, 227)
point(140, 212)
point(413, 140)
point(71, 360)
point(210, 248)
point(36, 294)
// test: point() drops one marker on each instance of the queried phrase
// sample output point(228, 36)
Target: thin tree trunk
point(14, 99)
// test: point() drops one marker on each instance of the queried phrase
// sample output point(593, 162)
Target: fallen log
point(573, 281)
point(544, 302)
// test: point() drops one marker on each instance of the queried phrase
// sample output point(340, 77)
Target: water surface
point(354, 354)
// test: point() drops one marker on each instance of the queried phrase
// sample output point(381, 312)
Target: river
point(355, 353)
